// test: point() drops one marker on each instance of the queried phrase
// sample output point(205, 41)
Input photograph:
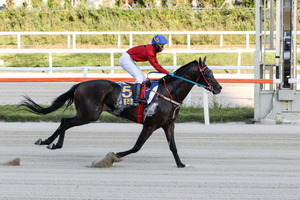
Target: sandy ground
point(227, 161)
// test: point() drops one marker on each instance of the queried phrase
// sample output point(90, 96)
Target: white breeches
point(132, 68)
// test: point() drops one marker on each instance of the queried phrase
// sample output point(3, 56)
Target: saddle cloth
point(127, 94)
point(146, 92)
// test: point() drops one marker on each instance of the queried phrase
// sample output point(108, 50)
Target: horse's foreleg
point(169, 131)
point(144, 135)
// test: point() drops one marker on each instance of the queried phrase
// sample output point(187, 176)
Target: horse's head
point(208, 78)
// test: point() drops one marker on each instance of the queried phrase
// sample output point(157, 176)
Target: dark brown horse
point(91, 98)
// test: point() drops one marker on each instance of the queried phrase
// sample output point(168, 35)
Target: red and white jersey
point(146, 53)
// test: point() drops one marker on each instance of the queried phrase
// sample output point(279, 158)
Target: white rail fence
point(113, 53)
point(72, 41)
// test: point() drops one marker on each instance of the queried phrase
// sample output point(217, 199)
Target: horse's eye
point(208, 73)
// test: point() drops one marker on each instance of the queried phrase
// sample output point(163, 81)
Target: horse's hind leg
point(65, 124)
point(50, 139)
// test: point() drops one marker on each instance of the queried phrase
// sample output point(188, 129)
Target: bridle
point(203, 71)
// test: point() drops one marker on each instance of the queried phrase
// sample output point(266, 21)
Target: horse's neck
point(179, 89)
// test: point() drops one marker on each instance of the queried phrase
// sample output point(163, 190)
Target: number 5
point(126, 89)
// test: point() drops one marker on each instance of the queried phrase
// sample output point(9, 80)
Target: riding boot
point(136, 94)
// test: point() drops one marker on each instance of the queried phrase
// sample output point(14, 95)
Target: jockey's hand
point(171, 74)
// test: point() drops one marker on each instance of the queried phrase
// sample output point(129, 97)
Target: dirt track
point(227, 161)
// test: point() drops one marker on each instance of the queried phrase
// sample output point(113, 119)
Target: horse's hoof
point(114, 157)
point(38, 142)
point(50, 146)
point(182, 166)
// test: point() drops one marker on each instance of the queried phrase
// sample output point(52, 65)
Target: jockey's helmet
point(159, 39)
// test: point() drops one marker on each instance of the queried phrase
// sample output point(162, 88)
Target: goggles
point(161, 46)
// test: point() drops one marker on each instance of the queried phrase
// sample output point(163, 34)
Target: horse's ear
point(200, 61)
point(204, 61)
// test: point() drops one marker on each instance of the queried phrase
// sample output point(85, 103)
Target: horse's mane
point(180, 71)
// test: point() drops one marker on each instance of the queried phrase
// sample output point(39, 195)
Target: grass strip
point(12, 113)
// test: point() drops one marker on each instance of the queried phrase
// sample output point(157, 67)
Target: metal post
point(294, 39)
point(278, 40)
point(257, 59)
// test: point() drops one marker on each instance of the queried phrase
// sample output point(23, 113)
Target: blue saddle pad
point(127, 94)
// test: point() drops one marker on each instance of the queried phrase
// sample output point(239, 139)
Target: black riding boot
point(136, 94)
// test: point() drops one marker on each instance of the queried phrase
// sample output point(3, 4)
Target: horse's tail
point(56, 104)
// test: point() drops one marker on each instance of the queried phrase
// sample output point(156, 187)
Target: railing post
point(188, 99)
point(174, 59)
point(189, 41)
point(205, 107)
point(170, 40)
point(247, 41)
point(50, 62)
point(119, 40)
point(19, 40)
point(130, 40)
point(112, 62)
point(85, 71)
point(69, 41)
point(74, 40)
point(239, 61)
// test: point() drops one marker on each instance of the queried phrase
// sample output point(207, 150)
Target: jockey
point(140, 54)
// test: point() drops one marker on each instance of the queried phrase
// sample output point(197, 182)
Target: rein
point(179, 77)
point(166, 98)
point(187, 80)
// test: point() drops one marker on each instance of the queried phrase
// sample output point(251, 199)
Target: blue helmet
point(159, 39)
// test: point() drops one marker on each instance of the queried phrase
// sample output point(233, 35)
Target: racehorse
point(91, 98)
